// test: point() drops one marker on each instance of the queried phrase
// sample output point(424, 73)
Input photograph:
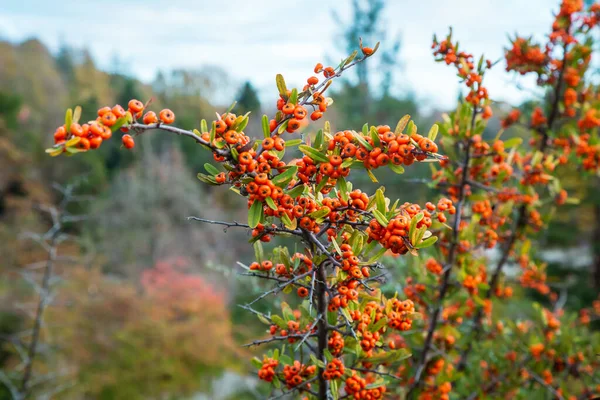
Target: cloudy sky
point(256, 39)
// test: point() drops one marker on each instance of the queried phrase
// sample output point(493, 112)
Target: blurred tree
point(247, 99)
point(357, 96)
point(165, 337)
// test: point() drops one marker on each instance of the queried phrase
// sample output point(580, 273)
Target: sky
point(255, 40)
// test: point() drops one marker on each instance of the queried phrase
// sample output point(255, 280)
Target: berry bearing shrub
point(438, 336)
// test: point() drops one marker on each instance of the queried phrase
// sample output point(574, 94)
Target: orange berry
point(313, 80)
point(135, 106)
point(367, 51)
point(167, 116)
point(128, 141)
point(316, 115)
point(288, 108)
point(150, 118)
point(95, 142)
point(76, 129)
point(109, 119)
point(118, 111)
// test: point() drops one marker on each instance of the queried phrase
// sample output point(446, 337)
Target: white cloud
point(257, 39)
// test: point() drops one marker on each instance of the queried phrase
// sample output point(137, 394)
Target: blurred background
point(142, 303)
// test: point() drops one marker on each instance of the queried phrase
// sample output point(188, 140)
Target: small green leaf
point(399, 169)
point(293, 142)
point(265, 126)
point(206, 178)
point(290, 224)
point(259, 252)
point(380, 201)
point(318, 139)
point(342, 186)
point(203, 126)
point(433, 132)
point(53, 152)
point(362, 141)
point(211, 169)
point(255, 214)
point(277, 320)
point(213, 132)
point(375, 137)
point(281, 86)
point(294, 96)
point(285, 177)
point(118, 124)
point(371, 176)
point(380, 218)
point(427, 242)
point(413, 224)
point(283, 127)
point(313, 154)
point(514, 142)
point(402, 124)
point(73, 141)
point(76, 115)
point(68, 119)
point(319, 213)
point(271, 203)
point(297, 191)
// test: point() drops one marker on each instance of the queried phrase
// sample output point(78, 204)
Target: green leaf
point(413, 224)
point(375, 137)
point(371, 176)
point(234, 153)
point(211, 169)
point(514, 142)
point(316, 361)
point(402, 124)
point(118, 124)
point(297, 191)
point(73, 141)
point(256, 362)
point(213, 132)
point(350, 58)
point(277, 320)
point(259, 252)
point(313, 154)
point(206, 178)
point(285, 177)
point(399, 169)
point(342, 186)
point(255, 214)
point(293, 142)
point(380, 201)
point(319, 213)
point(380, 218)
point(53, 152)
point(263, 319)
point(288, 314)
point(281, 86)
point(290, 224)
point(271, 203)
point(283, 127)
point(68, 119)
point(362, 141)
point(376, 256)
point(76, 115)
point(433, 132)
point(203, 126)
point(294, 96)
point(427, 242)
point(348, 162)
point(318, 139)
point(240, 123)
point(265, 126)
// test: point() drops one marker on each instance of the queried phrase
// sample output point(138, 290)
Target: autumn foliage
point(443, 334)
